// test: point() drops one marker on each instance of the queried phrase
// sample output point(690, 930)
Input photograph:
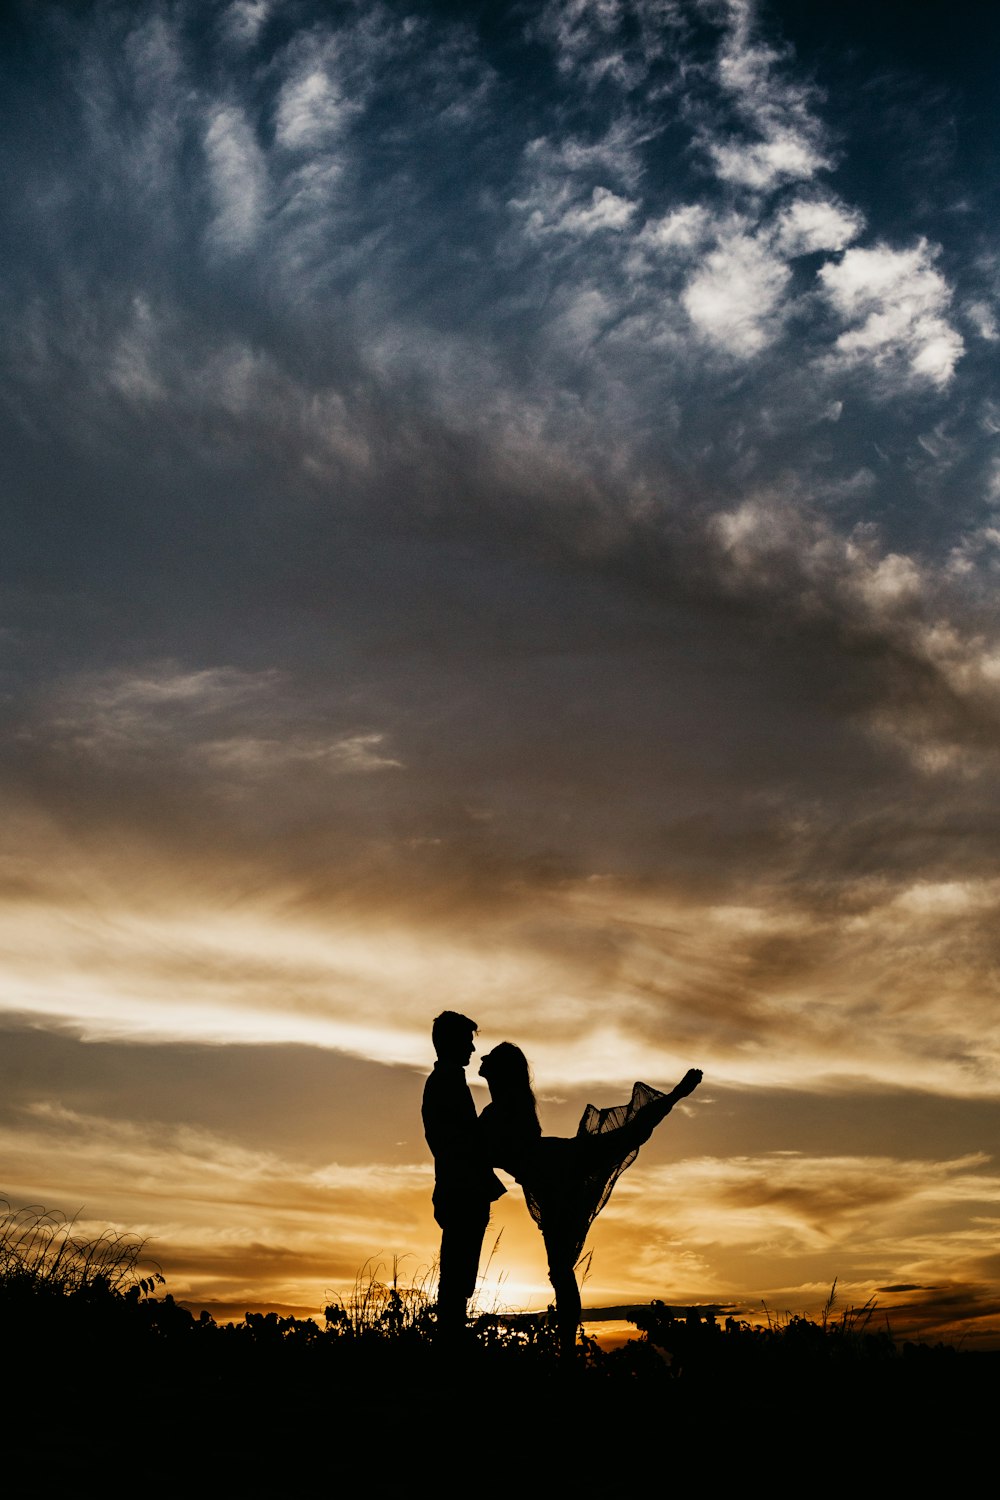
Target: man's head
point(452, 1036)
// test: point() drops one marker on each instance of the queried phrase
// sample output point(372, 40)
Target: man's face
point(456, 1047)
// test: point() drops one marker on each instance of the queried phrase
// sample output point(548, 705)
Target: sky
point(502, 513)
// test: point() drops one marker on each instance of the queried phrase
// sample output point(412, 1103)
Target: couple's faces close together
point(462, 1053)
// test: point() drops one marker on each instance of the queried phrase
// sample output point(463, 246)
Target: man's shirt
point(462, 1174)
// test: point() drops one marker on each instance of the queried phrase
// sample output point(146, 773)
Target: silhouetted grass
point(40, 1253)
point(43, 1259)
point(380, 1309)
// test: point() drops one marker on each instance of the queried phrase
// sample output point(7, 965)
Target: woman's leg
point(562, 1253)
point(568, 1307)
point(630, 1136)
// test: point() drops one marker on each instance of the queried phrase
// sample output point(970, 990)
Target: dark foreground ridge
point(109, 1379)
point(130, 1386)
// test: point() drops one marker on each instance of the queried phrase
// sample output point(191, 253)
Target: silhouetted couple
point(566, 1180)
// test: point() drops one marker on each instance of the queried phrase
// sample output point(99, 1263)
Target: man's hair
point(451, 1030)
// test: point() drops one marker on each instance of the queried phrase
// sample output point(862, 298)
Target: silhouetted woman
point(566, 1180)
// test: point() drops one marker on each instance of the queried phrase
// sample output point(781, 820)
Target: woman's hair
point(509, 1077)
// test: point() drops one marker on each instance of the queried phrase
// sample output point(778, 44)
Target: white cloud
point(575, 26)
point(560, 194)
point(211, 687)
point(553, 208)
point(682, 229)
point(948, 898)
point(808, 225)
point(233, 724)
point(604, 211)
point(350, 754)
point(978, 552)
point(244, 19)
point(237, 177)
point(602, 39)
point(613, 153)
point(735, 299)
point(120, 714)
point(167, 686)
point(891, 581)
point(763, 165)
point(587, 314)
point(983, 320)
point(310, 110)
point(789, 145)
point(895, 303)
point(132, 367)
point(769, 544)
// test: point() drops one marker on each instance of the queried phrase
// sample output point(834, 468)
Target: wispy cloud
point(129, 715)
point(782, 139)
point(237, 179)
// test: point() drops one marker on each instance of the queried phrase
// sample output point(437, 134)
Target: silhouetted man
point(464, 1183)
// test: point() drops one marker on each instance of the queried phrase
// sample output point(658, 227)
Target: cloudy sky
point(503, 513)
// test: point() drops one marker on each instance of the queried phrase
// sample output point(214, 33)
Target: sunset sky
point(503, 513)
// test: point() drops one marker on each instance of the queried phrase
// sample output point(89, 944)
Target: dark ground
point(141, 1395)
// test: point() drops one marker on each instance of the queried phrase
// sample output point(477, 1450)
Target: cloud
point(983, 320)
point(618, 41)
point(125, 712)
point(243, 20)
point(808, 225)
point(894, 302)
point(310, 109)
point(355, 753)
point(237, 177)
point(785, 157)
point(943, 676)
point(605, 211)
point(618, 251)
point(778, 110)
point(197, 1199)
point(127, 715)
point(791, 1226)
point(565, 189)
point(676, 232)
point(735, 298)
point(192, 1166)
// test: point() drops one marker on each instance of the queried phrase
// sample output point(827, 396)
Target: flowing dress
point(567, 1180)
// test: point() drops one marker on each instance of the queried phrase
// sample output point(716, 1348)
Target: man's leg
point(462, 1237)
